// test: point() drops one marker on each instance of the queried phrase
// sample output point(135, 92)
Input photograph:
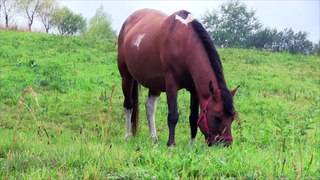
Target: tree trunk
point(7, 21)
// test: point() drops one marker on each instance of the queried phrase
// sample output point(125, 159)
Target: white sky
point(300, 15)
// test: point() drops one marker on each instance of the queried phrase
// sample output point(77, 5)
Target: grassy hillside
point(77, 131)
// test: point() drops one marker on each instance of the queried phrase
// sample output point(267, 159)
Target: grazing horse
point(168, 53)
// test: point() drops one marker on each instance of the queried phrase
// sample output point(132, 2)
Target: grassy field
point(71, 124)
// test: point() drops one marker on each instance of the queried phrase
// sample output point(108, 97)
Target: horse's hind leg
point(127, 85)
point(151, 106)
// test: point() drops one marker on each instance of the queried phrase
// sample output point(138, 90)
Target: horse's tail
point(135, 111)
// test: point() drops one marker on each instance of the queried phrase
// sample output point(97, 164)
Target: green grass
point(78, 129)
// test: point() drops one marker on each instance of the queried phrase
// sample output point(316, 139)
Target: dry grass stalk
point(47, 134)
point(23, 95)
point(14, 139)
point(105, 132)
point(110, 99)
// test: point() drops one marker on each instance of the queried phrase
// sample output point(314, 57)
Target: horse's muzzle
point(224, 140)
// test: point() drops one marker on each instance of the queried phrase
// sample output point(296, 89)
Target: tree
point(30, 8)
point(9, 8)
point(100, 26)
point(231, 25)
point(47, 10)
point(295, 42)
point(266, 39)
point(316, 49)
point(68, 23)
point(287, 40)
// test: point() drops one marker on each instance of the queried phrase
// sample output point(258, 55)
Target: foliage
point(29, 8)
point(295, 42)
point(77, 132)
point(265, 39)
point(9, 9)
point(287, 40)
point(68, 23)
point(47, 10)
point(231, 24)
point(100, 26)
point(316, 49)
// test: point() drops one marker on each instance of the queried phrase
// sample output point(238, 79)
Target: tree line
point(54, 17)
point(233, 25)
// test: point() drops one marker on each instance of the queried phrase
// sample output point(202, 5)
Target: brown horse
point(168, 53)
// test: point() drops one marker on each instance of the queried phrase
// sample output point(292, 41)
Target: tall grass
point(15, 139)
point(71, 123)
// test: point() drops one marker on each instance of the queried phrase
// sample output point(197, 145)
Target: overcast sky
point(303, 15)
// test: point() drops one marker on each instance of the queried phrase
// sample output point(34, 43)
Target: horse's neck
point(202, 74)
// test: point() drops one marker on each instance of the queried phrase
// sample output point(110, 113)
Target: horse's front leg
point(194, 113)
point(173, 116)
point(151, 106)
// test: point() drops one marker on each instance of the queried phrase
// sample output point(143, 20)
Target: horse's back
point(143, 17)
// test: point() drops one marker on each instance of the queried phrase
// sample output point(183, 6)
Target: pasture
point(71, 124)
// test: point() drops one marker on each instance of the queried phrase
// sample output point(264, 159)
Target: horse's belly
point(156, 83)
point(149, 76)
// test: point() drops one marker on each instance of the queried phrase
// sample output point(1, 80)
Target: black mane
point(215, 64)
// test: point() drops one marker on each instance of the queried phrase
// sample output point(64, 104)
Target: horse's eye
point(217, 120)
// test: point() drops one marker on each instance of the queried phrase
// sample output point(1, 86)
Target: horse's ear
point(234, 91)
point(216, 94)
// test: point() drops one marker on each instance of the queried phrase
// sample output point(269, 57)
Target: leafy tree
point(8, 7)
point(294, 42)
point(316, 49)
point(100, 26)
point(47, 10)
point(30, 8)
point(266, 39)
point(231, 24)
point(68, 23)
point(287, 40)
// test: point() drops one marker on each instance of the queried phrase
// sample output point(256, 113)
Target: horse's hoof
point(171, 144)
point(154, 139)
point(193, 141)
point(127, 136)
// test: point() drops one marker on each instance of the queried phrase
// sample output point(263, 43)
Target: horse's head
point(217, 116)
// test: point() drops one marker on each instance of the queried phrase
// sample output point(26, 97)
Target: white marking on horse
point(189, 19)
point(151, 106)
point(192, 140)
point(128, 123)
point(136, 42)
